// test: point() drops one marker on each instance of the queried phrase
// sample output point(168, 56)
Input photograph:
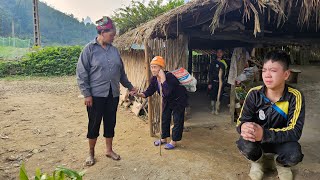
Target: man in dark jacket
point(217, 73)
point(272, 119)
point(175, 100)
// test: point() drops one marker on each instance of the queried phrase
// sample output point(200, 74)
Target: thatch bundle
point(198, 12)
point(281, 8)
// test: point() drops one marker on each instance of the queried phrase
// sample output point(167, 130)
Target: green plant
point(49, 61)
point(60, 173)
point(12, 53)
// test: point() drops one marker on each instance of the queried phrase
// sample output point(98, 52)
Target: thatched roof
point(159, 25)
point(252, 13)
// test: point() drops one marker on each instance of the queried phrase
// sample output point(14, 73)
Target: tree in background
point(137, 13)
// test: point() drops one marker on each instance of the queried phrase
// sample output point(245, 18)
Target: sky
point(95, 9)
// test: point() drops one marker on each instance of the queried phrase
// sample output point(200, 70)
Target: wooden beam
point(249, 38)
point(231, 35)
point(200, 44)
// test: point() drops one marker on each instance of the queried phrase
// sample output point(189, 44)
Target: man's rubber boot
point(284, 173)
point(256, 171)
point(217, 108)
point(268, 161)
point(212, 106)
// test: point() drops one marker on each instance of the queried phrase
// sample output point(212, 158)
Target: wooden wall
point(134, 66)
point(174, 51)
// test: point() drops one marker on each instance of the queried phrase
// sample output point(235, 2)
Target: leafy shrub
point(50, 61)
point(60, 173)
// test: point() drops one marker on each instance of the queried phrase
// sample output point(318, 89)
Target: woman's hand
point(88, 101)
point(133, 91)
point(141, 95)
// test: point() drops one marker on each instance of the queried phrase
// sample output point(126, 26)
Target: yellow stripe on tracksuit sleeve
point(225, 64)
point(296, 113)
point(255, 88)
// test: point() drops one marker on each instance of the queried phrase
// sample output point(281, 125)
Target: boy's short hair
point(278, 56)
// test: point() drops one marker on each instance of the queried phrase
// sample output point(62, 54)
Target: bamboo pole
point(160, 125)
point(147, 68)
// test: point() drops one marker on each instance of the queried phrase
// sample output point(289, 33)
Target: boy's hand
point(209, 86)
point(248, 131)
point(258, 132)
point(251, 131)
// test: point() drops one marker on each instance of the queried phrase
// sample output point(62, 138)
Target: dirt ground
point(43, 123)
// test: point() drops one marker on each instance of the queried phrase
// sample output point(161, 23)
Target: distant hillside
point(56, 28)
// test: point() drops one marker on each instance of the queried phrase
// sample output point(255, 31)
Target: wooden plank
point(126, 104)
point(136, 108)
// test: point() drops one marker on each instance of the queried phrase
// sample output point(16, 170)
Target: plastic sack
point(185, 79)
point(247, 74)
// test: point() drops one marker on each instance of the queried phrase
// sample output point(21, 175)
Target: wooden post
point(305, 56)
point(190, 61)
point(232, 102)
point(147, 52)
point(36, 29)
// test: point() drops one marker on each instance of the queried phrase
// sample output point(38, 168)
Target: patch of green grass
point(22, 78)
point(12, 53)
point(33, 77)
